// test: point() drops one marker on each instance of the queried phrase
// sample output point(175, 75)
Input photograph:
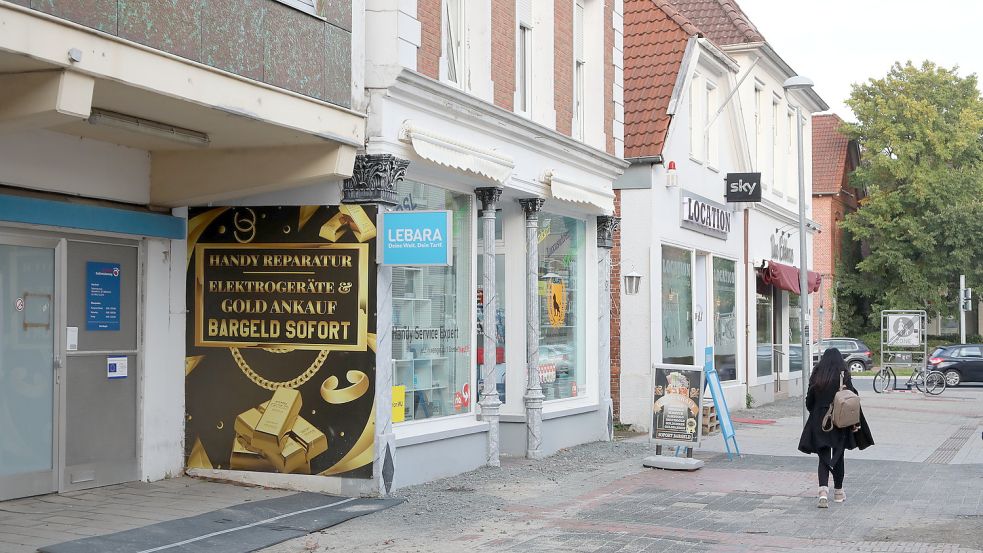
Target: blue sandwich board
point(720, 403)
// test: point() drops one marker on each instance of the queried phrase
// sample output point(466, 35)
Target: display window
point(724, 319)
point(677, 306)
point(563, 325)
point(764, 334)
point(432, 332)
point(794, 334)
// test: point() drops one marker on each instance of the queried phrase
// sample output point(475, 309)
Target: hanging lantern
point(632, 282)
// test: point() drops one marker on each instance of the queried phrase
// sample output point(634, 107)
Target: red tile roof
point(722, 21)
point(831, 161)
point(655, 41)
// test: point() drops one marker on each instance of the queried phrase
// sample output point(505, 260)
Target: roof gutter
point(651, 160)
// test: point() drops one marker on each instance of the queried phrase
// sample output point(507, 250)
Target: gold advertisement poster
point(280, 367)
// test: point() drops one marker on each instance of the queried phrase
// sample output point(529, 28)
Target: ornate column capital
point(488, 196)
point(606, 227)
point(531, 206)
point(374, 179)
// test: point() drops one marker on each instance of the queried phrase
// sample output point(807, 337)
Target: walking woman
point(830, 445)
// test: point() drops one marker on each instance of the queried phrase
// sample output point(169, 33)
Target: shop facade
point(106, 132)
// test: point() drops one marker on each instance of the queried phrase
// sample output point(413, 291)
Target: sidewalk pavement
point(919, 489)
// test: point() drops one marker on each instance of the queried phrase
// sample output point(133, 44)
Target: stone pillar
point(489, 402)
point(534, 393)
point(374, 181)
point(606, 227)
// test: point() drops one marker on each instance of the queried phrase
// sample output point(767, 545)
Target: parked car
point(960, 363)
point(857, 354)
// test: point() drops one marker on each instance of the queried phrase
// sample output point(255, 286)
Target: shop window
point(562, 331)
point(794, 334)
point(724, 319)
point(765, 335)
point(431, 337)
point(499, 319)
point(677, 306)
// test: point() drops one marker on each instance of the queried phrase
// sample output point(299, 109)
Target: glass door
point(27, 367)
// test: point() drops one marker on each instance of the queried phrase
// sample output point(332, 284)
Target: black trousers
point(826, 466)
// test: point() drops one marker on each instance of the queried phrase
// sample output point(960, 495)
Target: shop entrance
point(28, 366)
point(69, 364)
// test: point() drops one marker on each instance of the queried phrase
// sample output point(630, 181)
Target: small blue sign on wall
point(411, 238)
point(102, 295)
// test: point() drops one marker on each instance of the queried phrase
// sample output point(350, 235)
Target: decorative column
point(606, 227)
point(374, 180)
point(534, 393)
point(489, 402)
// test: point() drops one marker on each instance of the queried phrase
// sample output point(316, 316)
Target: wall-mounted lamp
point(632, 281)
point(671, 178)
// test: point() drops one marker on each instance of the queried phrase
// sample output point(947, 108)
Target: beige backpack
point(844, 412)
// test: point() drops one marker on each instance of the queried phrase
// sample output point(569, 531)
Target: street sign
point(743, 187)
point(903, 330)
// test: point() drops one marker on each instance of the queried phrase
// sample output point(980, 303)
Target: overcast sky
point(840, 42)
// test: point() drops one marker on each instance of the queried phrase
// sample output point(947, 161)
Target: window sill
point(421, 432)
point(302, 7)
point(695, 160)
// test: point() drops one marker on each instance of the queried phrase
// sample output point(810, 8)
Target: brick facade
point(428, 54)
point(563, 65)
point(503, 52)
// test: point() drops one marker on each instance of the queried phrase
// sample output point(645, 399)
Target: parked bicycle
point(925, 380)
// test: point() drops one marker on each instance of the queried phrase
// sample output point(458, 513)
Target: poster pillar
point(606, 227)
point(534, 393)
point(374, 179)
point(490, 404)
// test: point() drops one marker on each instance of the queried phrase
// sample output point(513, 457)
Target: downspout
point(747, 311)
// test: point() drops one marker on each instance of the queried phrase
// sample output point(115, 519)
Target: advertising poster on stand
point(280, 366)
point(676, 412)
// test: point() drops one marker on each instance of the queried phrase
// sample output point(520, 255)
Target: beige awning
point(449, 152)
point(599, 197)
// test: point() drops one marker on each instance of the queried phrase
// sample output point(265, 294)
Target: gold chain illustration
point(271, 385)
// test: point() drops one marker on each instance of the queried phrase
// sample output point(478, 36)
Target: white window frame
point(523, 70)
point(579, 68)
point(791, 156)
point(758, 125)
point(307, 6)
point(776, 182)
point(711, 135)
point(696, 119)
point(451, 57)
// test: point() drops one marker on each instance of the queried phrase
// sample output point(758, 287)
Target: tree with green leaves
point(921, 225)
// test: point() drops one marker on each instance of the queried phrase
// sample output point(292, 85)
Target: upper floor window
point(710, 134)
point(696, 142)
point(791, 157)
point(454, 42)
point(775, 145)
point(579, 66)
point(758, 137)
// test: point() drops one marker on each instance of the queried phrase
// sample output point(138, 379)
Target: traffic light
point(966, 299)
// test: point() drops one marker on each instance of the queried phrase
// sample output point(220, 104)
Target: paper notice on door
point(73, 338)
point(116, 367)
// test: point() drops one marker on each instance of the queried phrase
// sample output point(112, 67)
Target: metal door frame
point(58, 247)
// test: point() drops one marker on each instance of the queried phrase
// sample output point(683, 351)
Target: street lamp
point(798, 82)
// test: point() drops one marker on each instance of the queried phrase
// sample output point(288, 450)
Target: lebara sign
point(703, 215)
point(412, 238)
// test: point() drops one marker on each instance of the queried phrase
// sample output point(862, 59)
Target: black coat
point(838, 439)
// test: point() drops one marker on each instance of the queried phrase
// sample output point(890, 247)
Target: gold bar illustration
point(361, 224)
point(246, 423)
point(334, 228)
point(277, 420)
point(291, 458)
point(244, 459)
point(313, 440)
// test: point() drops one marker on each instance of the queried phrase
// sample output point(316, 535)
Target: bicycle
point(926, 381)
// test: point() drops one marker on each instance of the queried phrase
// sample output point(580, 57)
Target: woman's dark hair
point(826, 375)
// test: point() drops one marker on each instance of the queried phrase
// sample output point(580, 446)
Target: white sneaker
point(839, 496)
point(823, 497)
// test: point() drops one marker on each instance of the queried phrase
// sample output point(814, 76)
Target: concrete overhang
point(249, 137)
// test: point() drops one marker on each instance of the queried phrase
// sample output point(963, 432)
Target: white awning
point(600, 197)
point(452, 153)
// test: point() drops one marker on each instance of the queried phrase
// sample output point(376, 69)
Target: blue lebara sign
point(102, 296)
point(415, 238)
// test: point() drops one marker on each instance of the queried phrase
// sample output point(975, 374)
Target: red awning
point(786, 277)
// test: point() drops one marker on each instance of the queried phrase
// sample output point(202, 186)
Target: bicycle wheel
point(884, 380)
point(935, 383)
point(918, 379)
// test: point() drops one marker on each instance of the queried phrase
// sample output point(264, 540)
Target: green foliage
point(920, 132)
point(749, 400)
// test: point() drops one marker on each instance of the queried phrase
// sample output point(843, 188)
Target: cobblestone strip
point(949, 448)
